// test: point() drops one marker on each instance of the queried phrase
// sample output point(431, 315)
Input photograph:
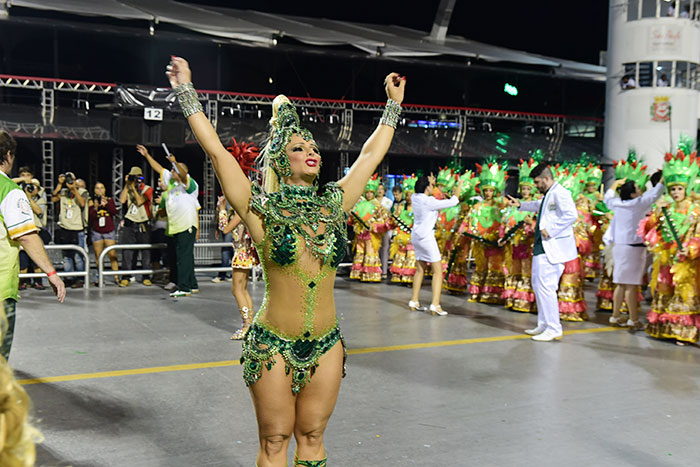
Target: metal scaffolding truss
point(48, 85)
point(117, 174)
point(209, 187)
point(30, 82)
point(48, 177)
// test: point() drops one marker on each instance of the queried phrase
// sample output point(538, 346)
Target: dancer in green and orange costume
point(447, 218)
point(672, 234)
point(456, 274)
point(483, 225)
point(594, 215)
point(518, 293)
point(572, 304)
point(369, 220)
point(403, 259)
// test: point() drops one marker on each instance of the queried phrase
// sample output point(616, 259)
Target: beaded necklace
point(299, 210)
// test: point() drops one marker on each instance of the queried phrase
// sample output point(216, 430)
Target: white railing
point(85, 273)
point(148, 246)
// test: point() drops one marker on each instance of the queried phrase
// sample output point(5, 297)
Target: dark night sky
point(564, 29)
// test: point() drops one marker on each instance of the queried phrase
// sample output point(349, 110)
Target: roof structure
point(264, 29)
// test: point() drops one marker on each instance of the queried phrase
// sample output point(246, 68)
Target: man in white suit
point(555, 244)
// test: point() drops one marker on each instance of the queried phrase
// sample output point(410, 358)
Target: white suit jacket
point(558, 217)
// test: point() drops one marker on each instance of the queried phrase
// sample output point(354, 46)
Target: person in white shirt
point(386, 238)
point(554, 245)
point(425, 214)
point(629, 251)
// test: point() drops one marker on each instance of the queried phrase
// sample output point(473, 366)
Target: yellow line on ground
point(225, 363)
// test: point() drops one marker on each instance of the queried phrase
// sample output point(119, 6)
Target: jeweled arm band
point(187, 97)
point(391, 114)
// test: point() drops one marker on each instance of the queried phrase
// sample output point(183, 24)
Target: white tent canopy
point(263, 28)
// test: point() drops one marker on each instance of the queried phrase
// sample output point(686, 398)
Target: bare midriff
point(298, 300)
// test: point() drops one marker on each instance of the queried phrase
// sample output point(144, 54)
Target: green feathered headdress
point(588, 164)
point(372, 184)
point(492, 175)
point(446, 178)
point(409, 183)
point(573, 179)
point(469, 185)
point(632, 170)
point(680, 169)
point(524, 170)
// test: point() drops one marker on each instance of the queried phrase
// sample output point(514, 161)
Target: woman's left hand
point(394, 85)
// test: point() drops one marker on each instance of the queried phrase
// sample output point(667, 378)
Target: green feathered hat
point(409, 183)
point(632, 170)
point(573, 179)
point(524, 170)
point(372, 184)
point(469, 185)
point(446, 178)
point(594, 175)
point(492, 175)
point(680, 169)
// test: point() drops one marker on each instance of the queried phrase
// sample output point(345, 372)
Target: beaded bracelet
point(188, 99)
point(390, 117)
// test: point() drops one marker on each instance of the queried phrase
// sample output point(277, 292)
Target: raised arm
point(234, 183)
point(376, 146)
point(151, 161)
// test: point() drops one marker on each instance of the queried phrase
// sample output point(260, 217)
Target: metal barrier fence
point(148, 246)
point(85, 273)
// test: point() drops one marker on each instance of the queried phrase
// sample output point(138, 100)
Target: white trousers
point(545, 283)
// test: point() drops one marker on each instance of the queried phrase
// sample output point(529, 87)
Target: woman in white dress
point(425, 212)
point(629, 252)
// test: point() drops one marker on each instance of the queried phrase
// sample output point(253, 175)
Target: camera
point(98, 200)
point(29, 187)
point(131, 178)
point(69, 178)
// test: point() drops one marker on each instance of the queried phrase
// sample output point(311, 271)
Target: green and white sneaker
point(180, 293)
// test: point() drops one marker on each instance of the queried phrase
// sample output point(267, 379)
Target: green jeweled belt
point(300, 355)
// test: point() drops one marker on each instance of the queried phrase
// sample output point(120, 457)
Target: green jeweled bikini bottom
point(300, 355)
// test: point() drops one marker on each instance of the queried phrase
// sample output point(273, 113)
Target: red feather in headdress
point(245, 154)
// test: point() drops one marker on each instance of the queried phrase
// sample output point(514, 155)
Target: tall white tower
point(652, 77)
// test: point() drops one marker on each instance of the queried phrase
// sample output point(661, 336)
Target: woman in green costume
point(293, 355)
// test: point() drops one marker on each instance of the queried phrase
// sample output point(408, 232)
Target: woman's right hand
point(394, 85)
point(178, 71)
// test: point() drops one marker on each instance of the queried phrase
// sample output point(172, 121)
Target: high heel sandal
point(246, 315)
point(437, 310)
point(416, 306)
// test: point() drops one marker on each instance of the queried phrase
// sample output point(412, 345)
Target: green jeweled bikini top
point(299, 211)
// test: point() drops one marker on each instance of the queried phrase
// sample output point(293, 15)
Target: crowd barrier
point(101, 273)
point(85, 274)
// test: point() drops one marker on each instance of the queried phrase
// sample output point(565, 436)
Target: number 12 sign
point(153, 113)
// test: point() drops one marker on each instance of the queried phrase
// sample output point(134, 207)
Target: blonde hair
point(17, 436)
point(271, 182)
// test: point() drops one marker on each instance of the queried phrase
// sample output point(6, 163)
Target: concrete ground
point(146, 380)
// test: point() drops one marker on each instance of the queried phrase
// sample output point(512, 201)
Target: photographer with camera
point(37, 201)
point(101, 215)
point(71, 221)
point(137, 197)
